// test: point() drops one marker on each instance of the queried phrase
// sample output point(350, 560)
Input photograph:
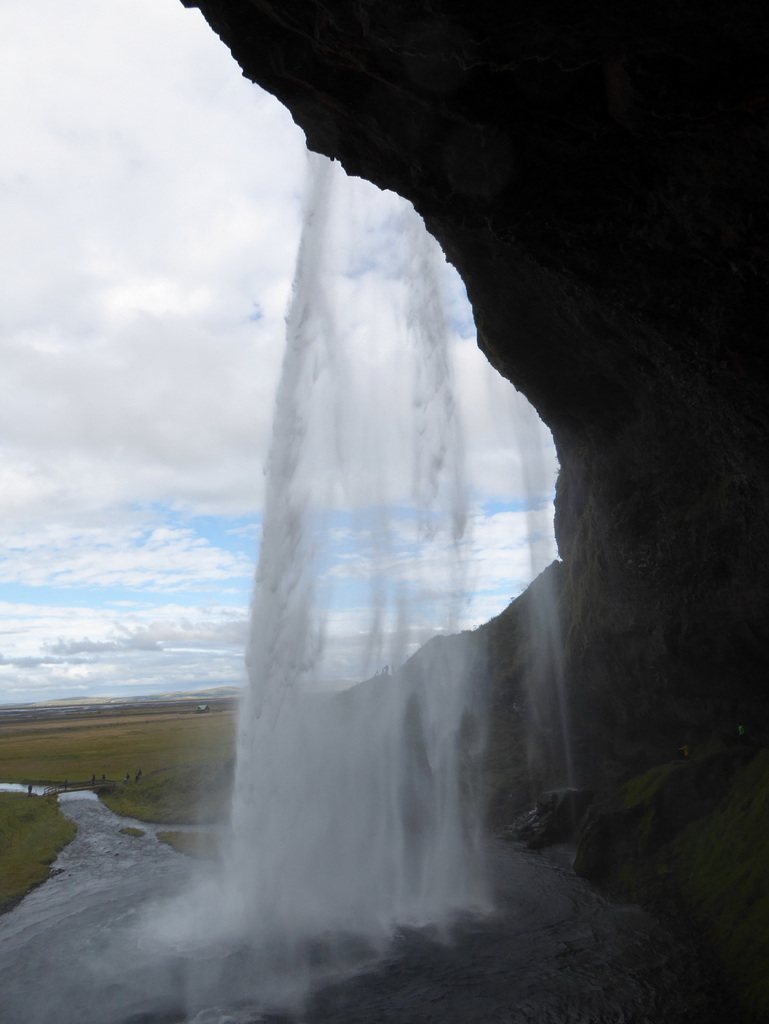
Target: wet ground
point(77, 950)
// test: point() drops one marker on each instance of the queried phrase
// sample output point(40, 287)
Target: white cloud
point(152, 558)
point(54, 651)
point(150, 201)
point(145, 223)
point(114, 626)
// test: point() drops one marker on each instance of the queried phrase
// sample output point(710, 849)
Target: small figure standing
point(29, 789)
point(66, 785)
point(740, 733)
point(93, 779)
point(127, 777)
point(684, 750)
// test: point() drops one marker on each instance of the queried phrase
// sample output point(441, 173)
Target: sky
point(151, 205)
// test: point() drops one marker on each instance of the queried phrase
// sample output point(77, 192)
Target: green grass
point(129, 831)
point(186, 761)
point(185, 794)
point(32, 831)
point(201, 845)
point(75, 748)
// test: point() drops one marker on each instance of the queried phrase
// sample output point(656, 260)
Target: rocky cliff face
point(598, 174)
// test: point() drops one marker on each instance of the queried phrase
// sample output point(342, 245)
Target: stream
point(83, 948)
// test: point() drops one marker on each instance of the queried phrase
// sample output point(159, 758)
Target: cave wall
point(597, 172)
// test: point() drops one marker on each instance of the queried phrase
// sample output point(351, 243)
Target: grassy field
point(75, 747)
point(32, 831)
point(186, 761)
point(186, 758)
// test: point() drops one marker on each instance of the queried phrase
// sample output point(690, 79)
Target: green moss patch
point(691, 841)
point(32, 831)
point(128, 831)
point(722, 862)
point(643, 788)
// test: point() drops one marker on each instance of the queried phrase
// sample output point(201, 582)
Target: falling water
point(546, 679)
point(350, 815)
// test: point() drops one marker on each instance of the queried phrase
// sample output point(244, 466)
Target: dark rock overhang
point(611, 155)
point(598, 174)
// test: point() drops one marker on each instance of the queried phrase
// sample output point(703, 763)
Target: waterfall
point(350, 815)
point(549, 734)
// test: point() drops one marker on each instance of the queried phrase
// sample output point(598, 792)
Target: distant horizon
point(324, 686)
point(127, 698)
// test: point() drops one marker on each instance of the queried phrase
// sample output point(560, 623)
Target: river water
point(17, 787)
point(86, 947)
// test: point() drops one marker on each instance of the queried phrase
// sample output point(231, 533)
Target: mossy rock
point(691, 839)
point(643, 788)
point(722, 862)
